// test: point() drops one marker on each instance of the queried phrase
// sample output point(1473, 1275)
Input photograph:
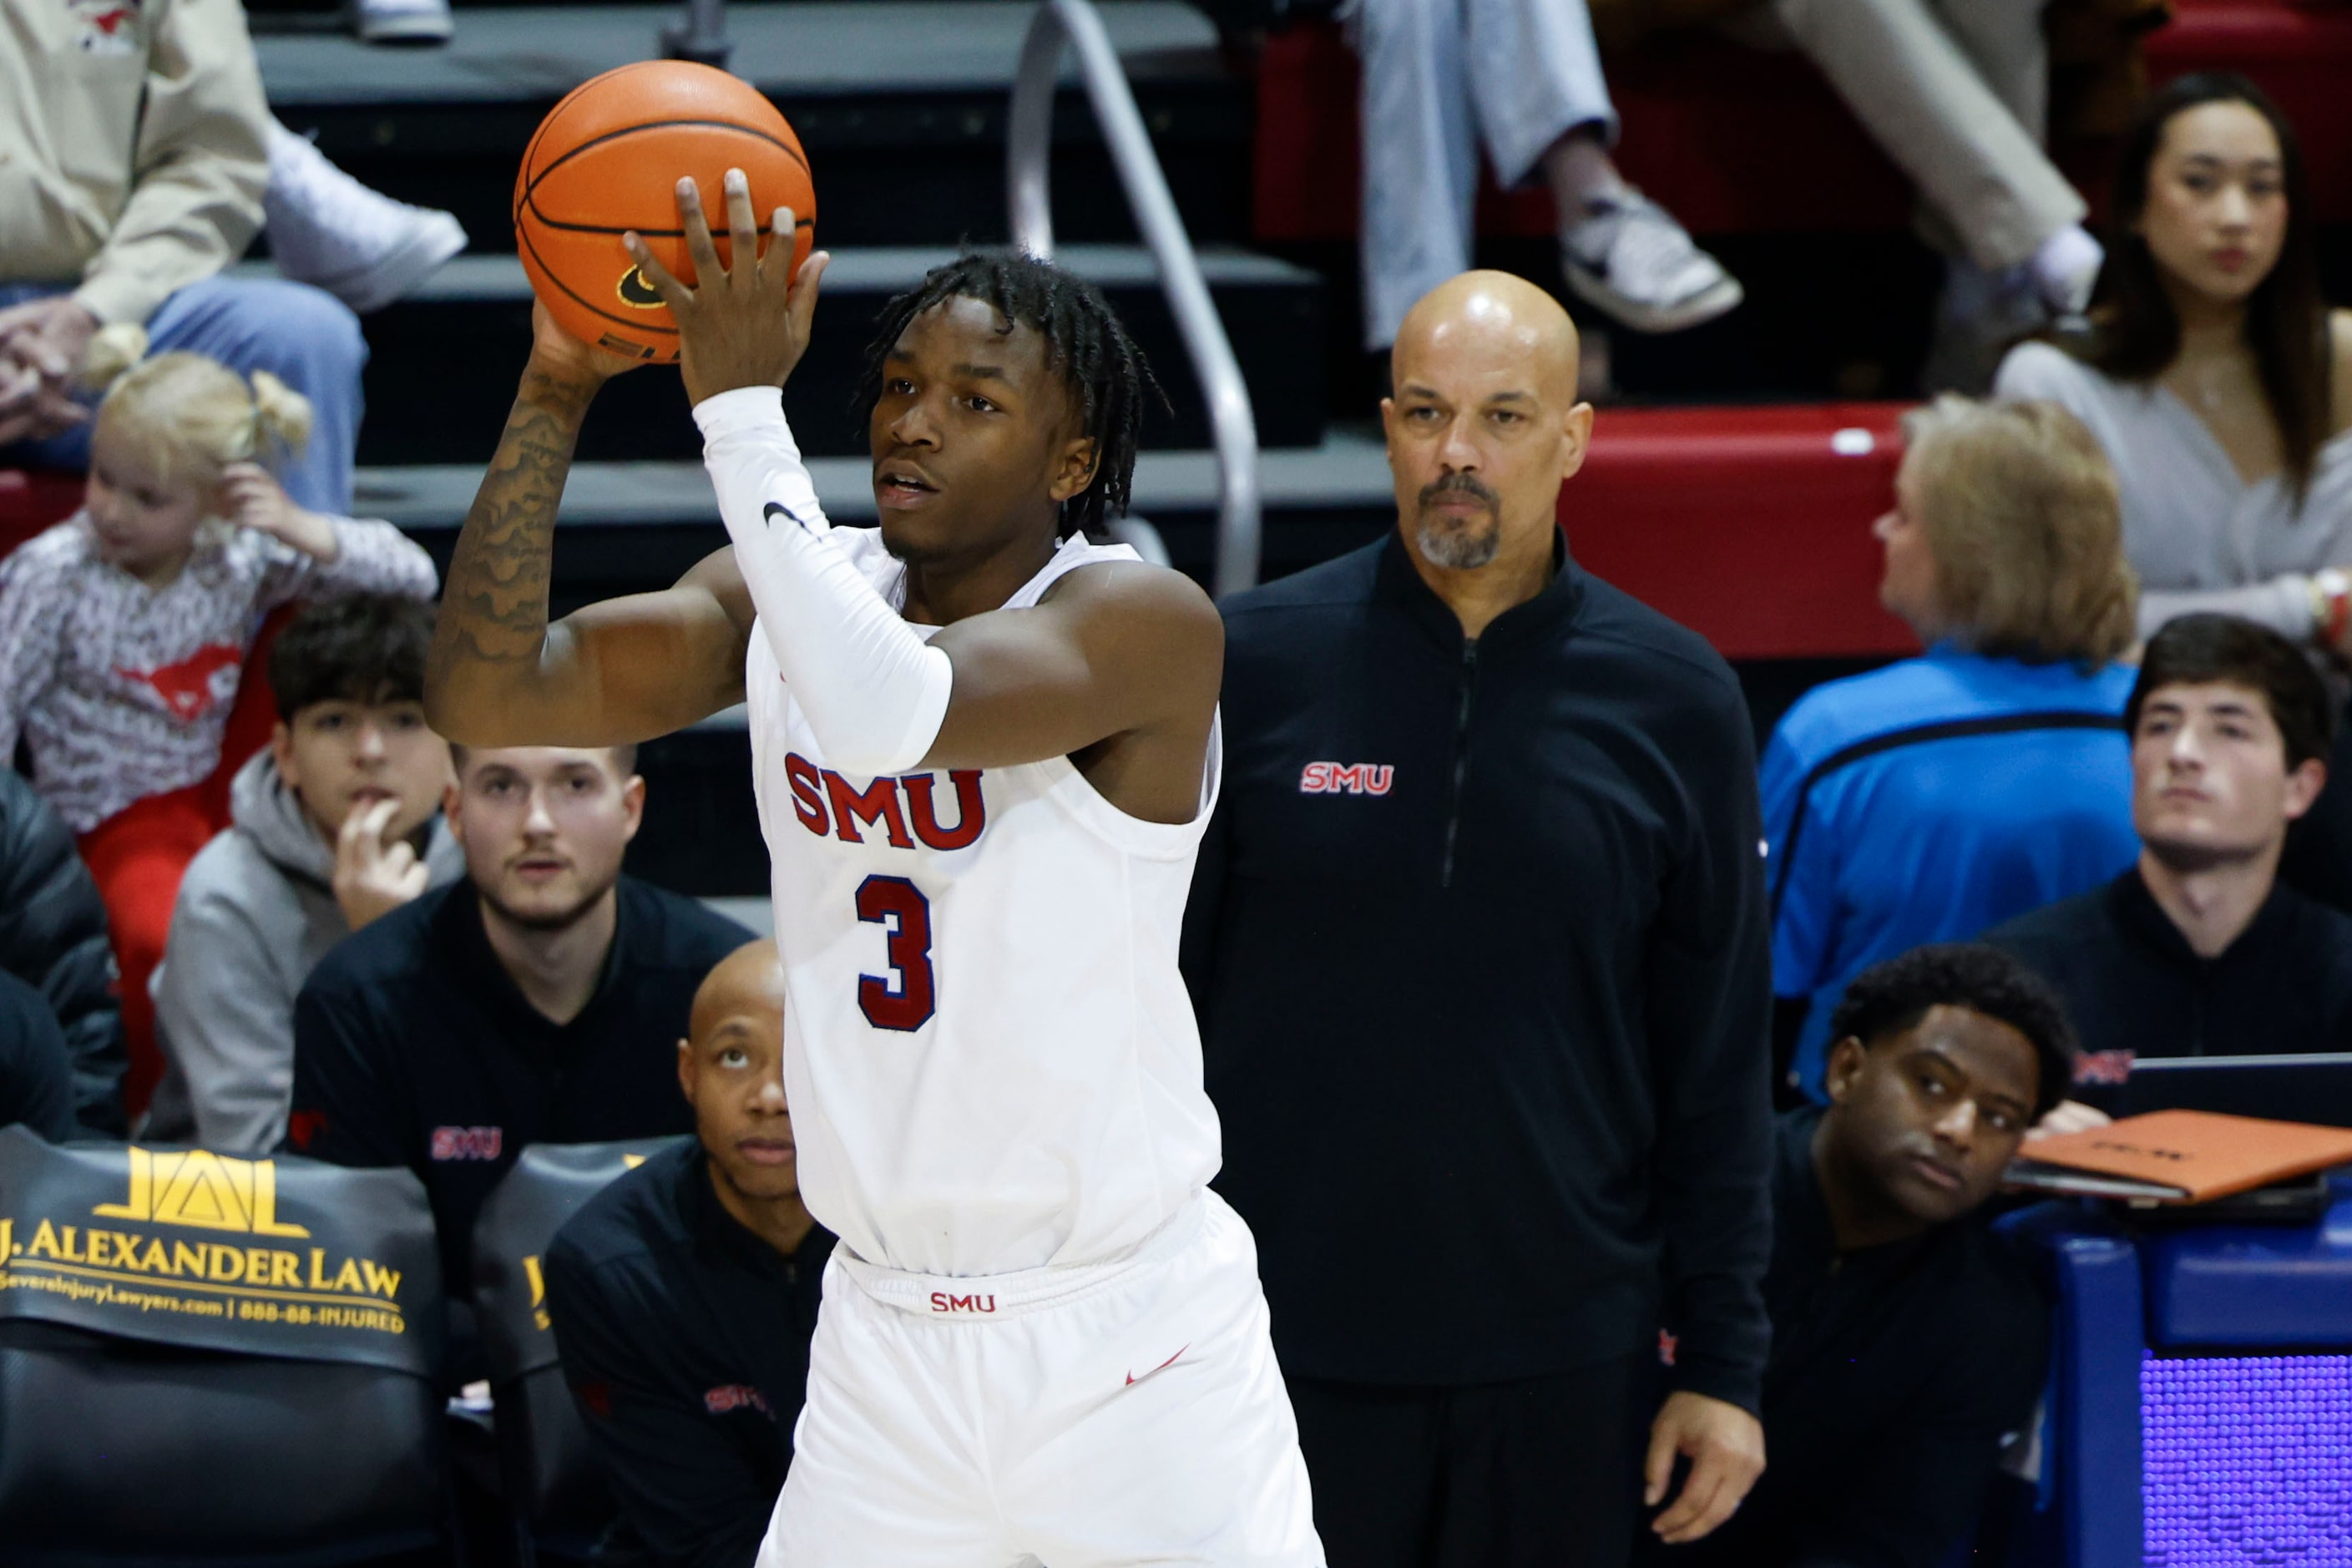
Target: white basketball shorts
point(1122, 1413)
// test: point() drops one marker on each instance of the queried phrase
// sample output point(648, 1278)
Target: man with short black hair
point(536, 1001)
point(685, 1293)
point(1907, 1341)
point(336, 822)
point(2200, 949)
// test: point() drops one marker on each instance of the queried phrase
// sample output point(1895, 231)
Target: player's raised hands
point(746, 323)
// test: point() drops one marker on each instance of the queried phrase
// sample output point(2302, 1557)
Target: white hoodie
point(257, 910)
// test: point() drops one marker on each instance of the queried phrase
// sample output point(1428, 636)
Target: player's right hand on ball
point(745, 324)
point(556, 351)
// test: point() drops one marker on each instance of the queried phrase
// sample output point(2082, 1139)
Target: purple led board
point(2247, 1460)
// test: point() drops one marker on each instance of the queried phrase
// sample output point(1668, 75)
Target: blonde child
point(124, 630)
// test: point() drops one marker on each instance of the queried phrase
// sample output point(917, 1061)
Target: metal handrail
point(1028, 156)
point(700, 34)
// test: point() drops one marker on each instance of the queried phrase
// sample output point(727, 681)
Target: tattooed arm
point(625, 670)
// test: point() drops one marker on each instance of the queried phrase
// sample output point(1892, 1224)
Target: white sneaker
point(327, 229)
point(1629, 258)
point(399, 21)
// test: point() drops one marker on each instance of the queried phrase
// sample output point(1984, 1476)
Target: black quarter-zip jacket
point(1479, 946)
point(413, 1046)
point(686, 1341)
point(2135, 988)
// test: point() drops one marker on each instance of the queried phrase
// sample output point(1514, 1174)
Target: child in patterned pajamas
point(124, 630)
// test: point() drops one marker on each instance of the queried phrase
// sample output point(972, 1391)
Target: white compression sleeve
point(875, 692)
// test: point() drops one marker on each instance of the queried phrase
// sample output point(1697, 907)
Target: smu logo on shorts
point(1345, 778)
point(943, 1302)
point(468, 1142)
point(900, 809)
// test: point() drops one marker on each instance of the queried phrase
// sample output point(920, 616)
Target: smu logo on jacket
point(1347, 778)
point(900, 809)
point(468, 1142)
point(107, 27)
point(733, 1396)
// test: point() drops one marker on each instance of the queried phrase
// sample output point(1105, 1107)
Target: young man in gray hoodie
point(336, 823)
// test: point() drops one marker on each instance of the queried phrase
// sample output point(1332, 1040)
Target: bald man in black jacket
point(1479, 946)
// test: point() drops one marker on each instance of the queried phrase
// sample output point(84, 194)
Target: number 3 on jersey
point(906, 1000)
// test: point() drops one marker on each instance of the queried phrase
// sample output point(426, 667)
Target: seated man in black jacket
point(534, 1001)
point(2200, 949)
point(1907, 1340)
point(685, 1293)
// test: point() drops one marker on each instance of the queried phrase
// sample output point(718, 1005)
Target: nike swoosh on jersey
point(1132, 1380)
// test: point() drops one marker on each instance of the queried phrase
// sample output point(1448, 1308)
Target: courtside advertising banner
point(281, 1258)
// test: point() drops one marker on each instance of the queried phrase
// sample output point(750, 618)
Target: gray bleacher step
point(1348, 469)
point(869, 268)
point(901, 105)
point(631, 526)
point(530, 54)
point(474, 314)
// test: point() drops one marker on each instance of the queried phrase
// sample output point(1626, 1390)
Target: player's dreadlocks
point(1084, 341)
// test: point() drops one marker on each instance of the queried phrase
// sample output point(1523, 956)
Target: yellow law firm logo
point(537, 1276)
point(247, 1278)
point(207, 1191)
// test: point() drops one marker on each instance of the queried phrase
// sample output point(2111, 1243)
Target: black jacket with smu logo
point(1479, 946)
point(686, 1341)
point(413, 1046)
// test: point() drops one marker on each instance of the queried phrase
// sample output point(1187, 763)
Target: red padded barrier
point(1751, 526)
point(31, 500)
point(1737, 141)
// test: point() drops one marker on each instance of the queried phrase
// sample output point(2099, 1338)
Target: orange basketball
point(608, 160)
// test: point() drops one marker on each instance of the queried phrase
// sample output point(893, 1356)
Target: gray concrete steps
point(442, 361)
point(631, 526)
point(900, 104)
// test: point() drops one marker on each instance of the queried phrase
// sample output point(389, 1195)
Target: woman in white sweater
point(2214, 375)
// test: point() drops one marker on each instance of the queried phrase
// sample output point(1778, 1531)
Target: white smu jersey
point(992, 1060)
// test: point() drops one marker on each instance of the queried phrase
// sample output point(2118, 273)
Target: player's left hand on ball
point(744, 324)
point(1725, 1447)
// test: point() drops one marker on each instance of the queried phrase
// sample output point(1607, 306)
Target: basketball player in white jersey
point(986, 750)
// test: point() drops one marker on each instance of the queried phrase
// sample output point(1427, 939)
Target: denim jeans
point(303, 336)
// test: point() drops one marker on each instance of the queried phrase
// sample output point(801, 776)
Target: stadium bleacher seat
point(563, 1507)
point(208, 1361)
point(33, 499)
point(1737, 141)
point(1751, 525)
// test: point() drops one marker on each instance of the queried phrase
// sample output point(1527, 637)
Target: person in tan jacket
point(135, 152)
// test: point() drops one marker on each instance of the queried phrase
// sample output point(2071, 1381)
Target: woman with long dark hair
point(2213, 372)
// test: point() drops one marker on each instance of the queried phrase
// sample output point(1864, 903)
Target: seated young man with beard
point(538, 1000)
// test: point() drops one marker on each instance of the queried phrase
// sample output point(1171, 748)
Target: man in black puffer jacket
point(53, 938)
